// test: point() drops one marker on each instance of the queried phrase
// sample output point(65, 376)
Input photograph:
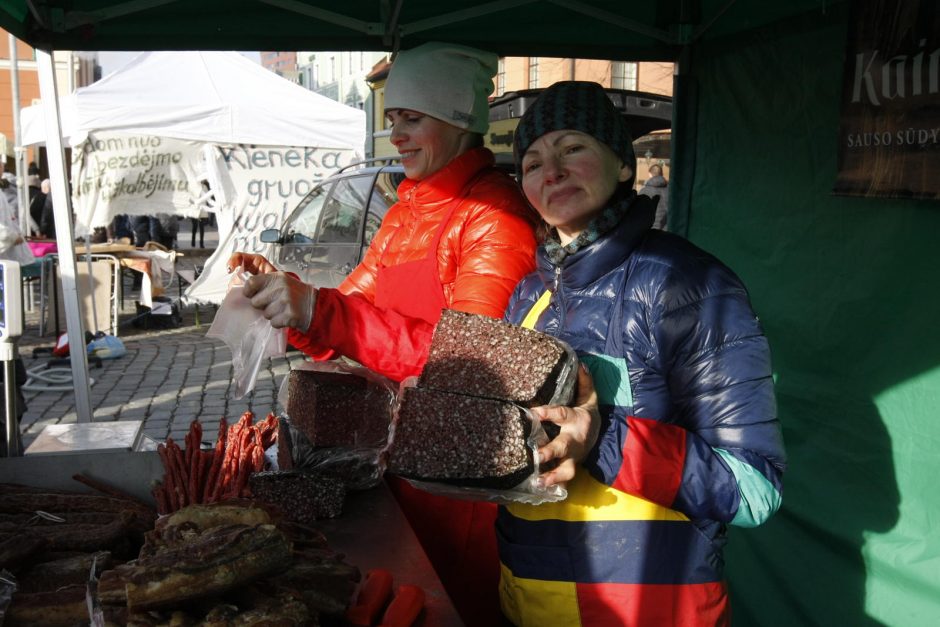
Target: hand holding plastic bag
point(251, 263)
point(248, 334)
point(283, 299)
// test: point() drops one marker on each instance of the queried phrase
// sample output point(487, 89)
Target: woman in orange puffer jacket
point(485, 246)
point(461, 236)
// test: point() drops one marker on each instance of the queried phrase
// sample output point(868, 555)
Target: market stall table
point(104, 294)
point(371, 533)
point(374, 533)
point(157, 266)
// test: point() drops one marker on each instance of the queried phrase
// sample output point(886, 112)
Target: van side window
point(343, 212)
point(302, 224)
point(384, 195)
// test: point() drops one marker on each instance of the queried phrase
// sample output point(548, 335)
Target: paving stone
point(167, 378)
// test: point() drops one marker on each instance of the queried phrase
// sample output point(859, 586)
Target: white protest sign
point(114, 173)
point(268, 182)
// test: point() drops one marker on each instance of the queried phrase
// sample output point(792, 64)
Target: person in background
point(460, 236)
point(12, 243)
point(656, 186)
point(687, 440)
point(120, 230)
point(141, 227)
point(47, 216)
point(36, 204)
point(8, 186)
point(34, 187)
point(164, 229)
point(160, 229)
point(199, 224)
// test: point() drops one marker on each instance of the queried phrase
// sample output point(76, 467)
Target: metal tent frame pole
point(65, 237)
point(19, 153)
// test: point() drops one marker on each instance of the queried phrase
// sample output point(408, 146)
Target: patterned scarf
point(599, 225)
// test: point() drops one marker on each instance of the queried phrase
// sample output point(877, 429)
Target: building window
point(533, 72)
point(501, 77)
point(332, 76)
point(623, 75)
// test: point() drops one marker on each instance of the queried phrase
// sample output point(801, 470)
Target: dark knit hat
point(577, 105)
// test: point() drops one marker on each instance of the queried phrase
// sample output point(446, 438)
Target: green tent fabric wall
point(846, 291)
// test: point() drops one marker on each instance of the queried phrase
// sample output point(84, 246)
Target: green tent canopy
point(845, 286)
point(608, 29)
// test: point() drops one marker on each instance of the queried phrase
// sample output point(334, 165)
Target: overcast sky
point(111, 61)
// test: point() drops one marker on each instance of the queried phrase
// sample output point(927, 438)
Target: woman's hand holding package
point(251, 263)
point(285, 300)
point(579, 429)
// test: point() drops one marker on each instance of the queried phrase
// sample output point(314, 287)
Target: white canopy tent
point(212, 97)
point(219, 97)
point(152, 132)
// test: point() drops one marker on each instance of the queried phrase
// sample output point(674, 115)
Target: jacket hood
point(609, 251)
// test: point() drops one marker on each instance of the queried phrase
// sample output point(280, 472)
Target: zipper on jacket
point(409, 199)
point(559, 300)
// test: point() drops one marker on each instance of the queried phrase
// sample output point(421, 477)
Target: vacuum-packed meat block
point(339, 410)
point(481, 356)
point(302, 496)
point(462, 440)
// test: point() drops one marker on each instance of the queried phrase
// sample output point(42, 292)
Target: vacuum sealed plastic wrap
point(468, 447)
point(338, 418)
point(303, 496)
point(7, 590)
point(482, 356)
point(247, 333)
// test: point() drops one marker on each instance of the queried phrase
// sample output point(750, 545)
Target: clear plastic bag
point(8, 587)
point(247, 333)
point(106, 347)
point(357, 461)
point(567, 377)
point(529, 490)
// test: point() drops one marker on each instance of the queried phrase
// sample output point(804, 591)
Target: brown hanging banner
point(889, 133)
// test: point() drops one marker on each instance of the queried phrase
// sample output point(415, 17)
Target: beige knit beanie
point(446, 81)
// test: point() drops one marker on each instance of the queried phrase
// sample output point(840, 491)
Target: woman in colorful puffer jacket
point(461, 237)
point(688, 440)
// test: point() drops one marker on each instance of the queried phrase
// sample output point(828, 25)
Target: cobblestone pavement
point(167, 379)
